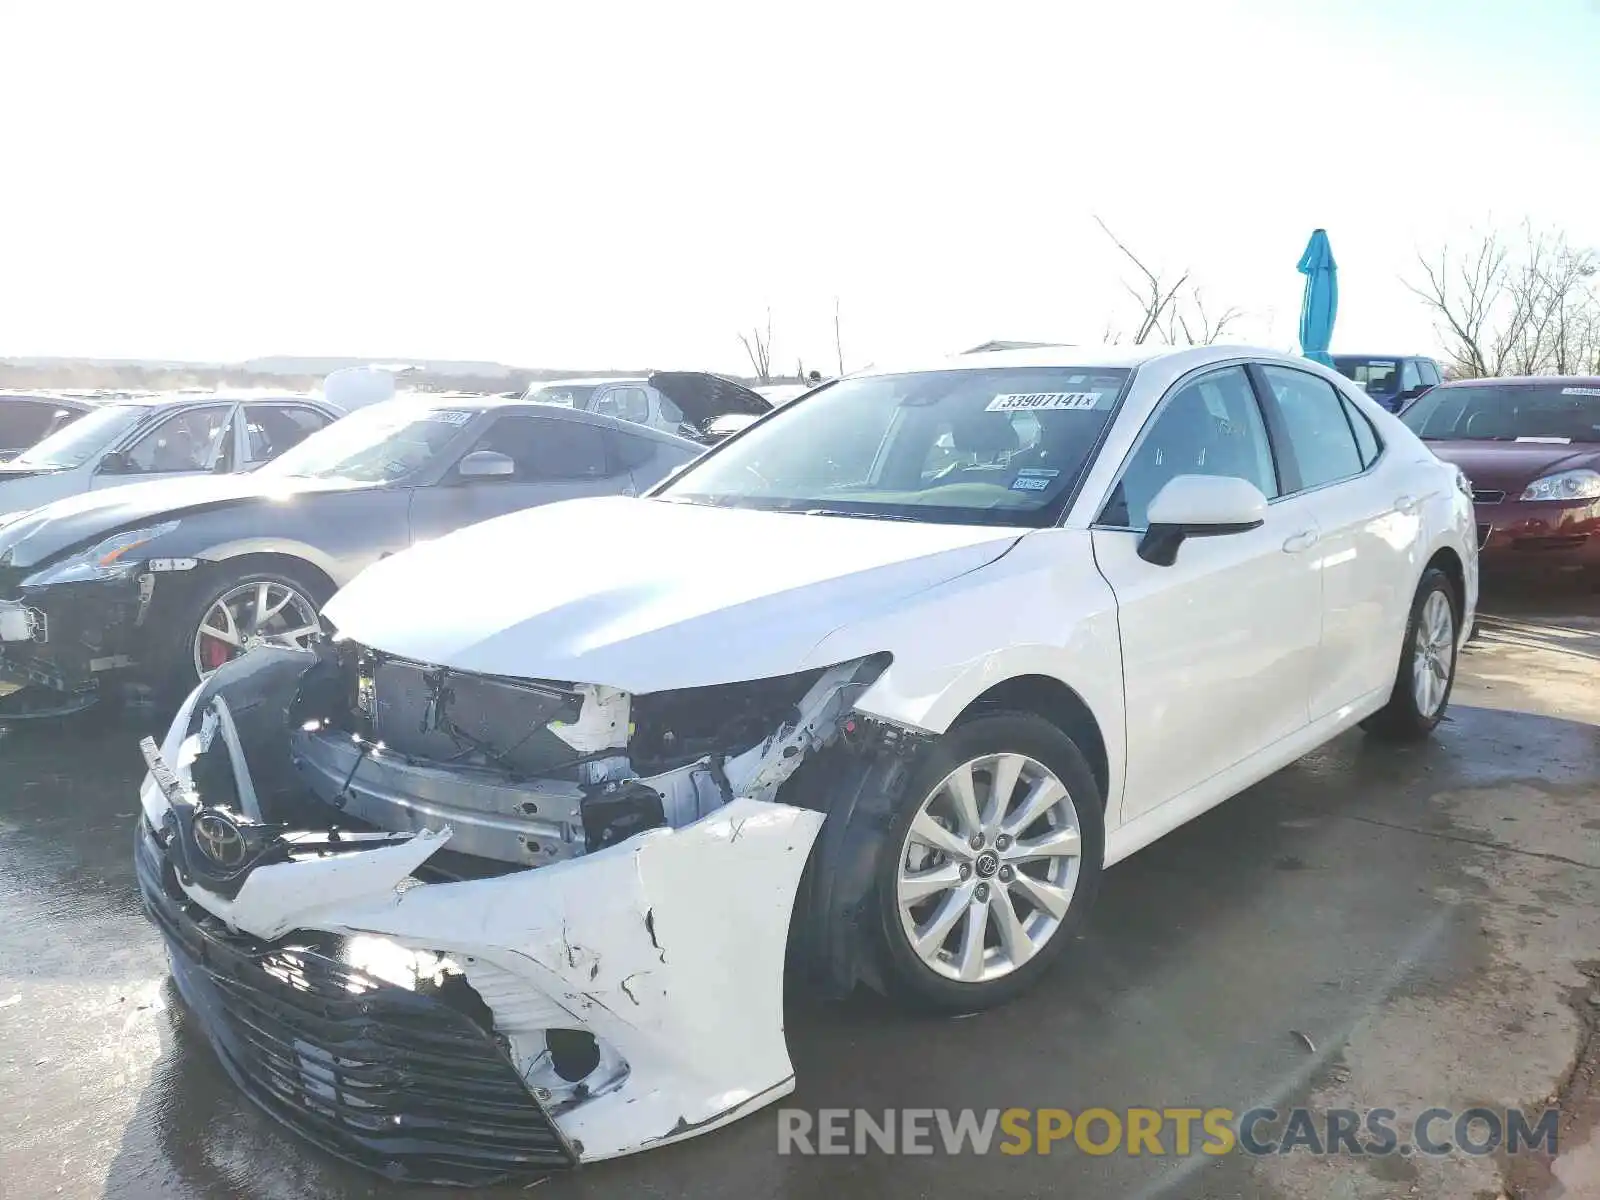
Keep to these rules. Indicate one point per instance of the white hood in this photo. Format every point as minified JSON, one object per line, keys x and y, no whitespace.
{"x":646,"y":595}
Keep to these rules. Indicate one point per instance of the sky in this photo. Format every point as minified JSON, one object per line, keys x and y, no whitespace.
{"x":629,"y":185}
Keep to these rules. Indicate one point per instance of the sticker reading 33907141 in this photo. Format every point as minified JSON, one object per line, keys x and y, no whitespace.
{"x":1043,"y":401}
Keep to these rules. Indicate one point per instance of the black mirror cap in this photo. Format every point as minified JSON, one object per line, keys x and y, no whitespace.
{"x":115,"y":463}
{"x":1159,"y":544}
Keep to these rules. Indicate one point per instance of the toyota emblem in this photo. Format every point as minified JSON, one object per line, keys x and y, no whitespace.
{"x":219,"y":839}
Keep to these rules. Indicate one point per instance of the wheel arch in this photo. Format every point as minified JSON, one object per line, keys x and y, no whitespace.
{"x":1447,"y":560}
{"x":1054,"y":701}
{"x":262,"y":554}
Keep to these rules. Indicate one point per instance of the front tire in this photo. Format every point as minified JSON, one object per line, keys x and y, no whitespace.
{"x":1427,"y":668}
{"x":274,"y":607}
{"x":989,"y":866}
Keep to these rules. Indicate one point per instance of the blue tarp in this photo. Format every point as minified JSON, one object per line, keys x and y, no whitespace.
{"x":1321,"y":304}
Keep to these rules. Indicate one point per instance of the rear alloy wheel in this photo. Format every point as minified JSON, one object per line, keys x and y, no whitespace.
{"x":1427,"y":668}
{"x":995,"y":856}
{"x":261,"y":611}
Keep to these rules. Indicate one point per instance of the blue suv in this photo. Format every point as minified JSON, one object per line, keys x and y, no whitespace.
{"x":1393,"y":380}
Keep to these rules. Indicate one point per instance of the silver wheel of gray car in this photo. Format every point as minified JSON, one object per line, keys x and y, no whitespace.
{"x":258,"y":612}
{"x":988,"y":867}
{"x":1433,"y":659}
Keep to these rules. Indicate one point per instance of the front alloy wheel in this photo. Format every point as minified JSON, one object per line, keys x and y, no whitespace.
{"x":988,"y":867}
{"x":261,"y":612}
{"x":991,"y":861}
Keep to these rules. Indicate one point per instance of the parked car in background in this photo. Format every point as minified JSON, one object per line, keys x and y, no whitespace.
{"x":29,"y":417}
{"x":1531,"y":449}
{"x":1393,"y":380}
{"x":169,"y":580}
{"x":138,"y":439}
{"x":685,"y":403}
{"x":825,"y":691}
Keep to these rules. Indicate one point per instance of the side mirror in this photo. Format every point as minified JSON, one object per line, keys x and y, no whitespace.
{"x":115,"y":463}
{"x":222,"y":466}
{"x":486,"y":464}
{"x":1199,"y":506}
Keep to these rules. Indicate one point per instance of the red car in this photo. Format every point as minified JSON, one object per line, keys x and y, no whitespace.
{"x":1531,"y":449}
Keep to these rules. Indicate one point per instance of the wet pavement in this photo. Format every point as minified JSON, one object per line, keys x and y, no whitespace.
{"x":1372,"y":926}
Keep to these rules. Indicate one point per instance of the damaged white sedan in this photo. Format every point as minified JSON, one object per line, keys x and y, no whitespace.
{"x":506,"y":875}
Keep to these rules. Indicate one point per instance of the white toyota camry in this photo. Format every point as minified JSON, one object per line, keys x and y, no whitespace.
{"x":889,"y":678}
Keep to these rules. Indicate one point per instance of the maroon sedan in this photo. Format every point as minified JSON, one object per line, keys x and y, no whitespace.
{"x":1531,"y":449}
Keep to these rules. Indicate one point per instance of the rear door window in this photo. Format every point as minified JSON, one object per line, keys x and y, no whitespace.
{"x":1320,"y":437}
{"x":270,"y":429}
{"x":624,"y":403}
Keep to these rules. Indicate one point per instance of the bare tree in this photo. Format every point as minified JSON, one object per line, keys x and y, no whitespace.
{"x":1153,"y":296}
{"x":1527,"y":308}
{"x":1176,"y":314}
{"x":1188,"y":322}
{"x":758,"y":347}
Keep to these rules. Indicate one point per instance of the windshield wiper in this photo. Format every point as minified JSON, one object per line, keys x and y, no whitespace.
{"x":839,"y":512}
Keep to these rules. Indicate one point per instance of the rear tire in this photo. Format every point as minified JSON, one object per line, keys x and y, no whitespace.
{"x":1023,"y":867}
{"x":1426,"y":673}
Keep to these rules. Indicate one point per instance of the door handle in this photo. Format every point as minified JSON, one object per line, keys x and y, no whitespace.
{"x":1303,"y":540}
{"x":1405,"y":504}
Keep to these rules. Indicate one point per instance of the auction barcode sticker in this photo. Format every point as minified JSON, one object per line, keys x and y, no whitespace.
{"x":1043,"y":401}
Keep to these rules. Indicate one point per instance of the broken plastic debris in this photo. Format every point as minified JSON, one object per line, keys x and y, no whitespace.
{"x":1306,"y":1038}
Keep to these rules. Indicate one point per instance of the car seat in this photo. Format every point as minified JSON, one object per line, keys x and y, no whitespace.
{"x":987,"y":436}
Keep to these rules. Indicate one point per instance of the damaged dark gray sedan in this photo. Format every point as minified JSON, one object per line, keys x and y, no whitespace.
{"x":163,"y":582}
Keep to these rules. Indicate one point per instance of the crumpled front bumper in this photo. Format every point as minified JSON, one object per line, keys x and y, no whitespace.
{"x":63,"y":639}
{"x":392,"y":1080}
{"x":667,"y":948}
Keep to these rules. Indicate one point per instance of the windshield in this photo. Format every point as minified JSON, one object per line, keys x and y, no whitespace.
{"x":1380,"y":376}
{"x":380,"y":444}
{"x":998,"y":446}
{"x":1485,"y":413}
{"x":90,"y":435}
{"x":568,"y":395}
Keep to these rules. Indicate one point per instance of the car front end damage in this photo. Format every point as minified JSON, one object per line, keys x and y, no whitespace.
{"x":455,"y":928}
{"x":67,"y":627}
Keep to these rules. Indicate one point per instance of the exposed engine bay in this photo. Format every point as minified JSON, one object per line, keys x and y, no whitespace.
{"x":366,"y":814}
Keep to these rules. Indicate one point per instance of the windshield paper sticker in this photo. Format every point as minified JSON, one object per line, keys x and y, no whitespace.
{"x":1033,"y":479}
{"x":1043,"y":401}
{"x":1579,"y":391}
{"x":450,"y":416}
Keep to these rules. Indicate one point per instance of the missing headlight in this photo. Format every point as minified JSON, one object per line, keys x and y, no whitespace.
{"x":677,"y":727}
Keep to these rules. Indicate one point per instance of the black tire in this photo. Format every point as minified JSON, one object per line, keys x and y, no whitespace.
{"x":1402,"y":719}
{"x":904,"y":975}
{"x":180,"y":674}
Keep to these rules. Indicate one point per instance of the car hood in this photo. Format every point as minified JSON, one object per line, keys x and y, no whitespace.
{"x":1511,"y":466}
{"x":12,"y":470}
{"x":647,"y":595}
{"x":65,"y":524}
{"x":702,"y":396}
